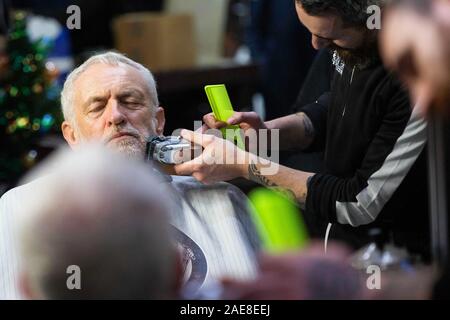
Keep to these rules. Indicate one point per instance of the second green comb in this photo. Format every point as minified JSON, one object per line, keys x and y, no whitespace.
{"x":278,"y":221}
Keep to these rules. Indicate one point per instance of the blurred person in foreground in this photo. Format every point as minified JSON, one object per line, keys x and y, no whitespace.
{"x":313,"y":275}
{"x":117,"y":235}
{"x":111,"y":99}
{"x":415,"y":42}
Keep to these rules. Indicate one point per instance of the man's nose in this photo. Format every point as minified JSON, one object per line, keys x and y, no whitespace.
{"x":319,"y":43}
{"x":115,"y":113}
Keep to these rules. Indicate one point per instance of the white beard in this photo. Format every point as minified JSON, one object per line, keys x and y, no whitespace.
{"x":130,"y":147}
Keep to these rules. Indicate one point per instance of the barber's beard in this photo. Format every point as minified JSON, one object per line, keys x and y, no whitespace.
{"x":363,"y":56}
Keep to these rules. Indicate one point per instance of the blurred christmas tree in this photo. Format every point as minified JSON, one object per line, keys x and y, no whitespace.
{"x":29,"y":102}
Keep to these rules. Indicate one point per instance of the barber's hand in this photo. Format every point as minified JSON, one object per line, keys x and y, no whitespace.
{"x":309,"y":274}
{"x":245,"y":120}
{"x":220,"y":160}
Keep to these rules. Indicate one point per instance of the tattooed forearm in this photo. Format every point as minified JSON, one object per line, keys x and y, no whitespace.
{"x":289,"y":182}
{"x":287,"y":193}
{"x":296,"y":131}
{"x":308,"y":127}
{"x":255,"y":175}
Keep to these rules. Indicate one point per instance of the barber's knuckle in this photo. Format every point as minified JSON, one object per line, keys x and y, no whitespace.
{"x":207,"y":117}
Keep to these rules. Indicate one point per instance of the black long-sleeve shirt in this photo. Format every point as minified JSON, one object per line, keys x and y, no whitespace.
{"x":375,"y":168}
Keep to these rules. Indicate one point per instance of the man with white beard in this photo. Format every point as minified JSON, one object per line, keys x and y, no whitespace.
{"x":112,"y":99}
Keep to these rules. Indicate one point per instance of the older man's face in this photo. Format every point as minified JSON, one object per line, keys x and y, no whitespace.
{"x":113,"y":105}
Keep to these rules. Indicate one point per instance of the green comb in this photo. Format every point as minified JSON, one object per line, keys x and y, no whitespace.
{"x":223,"y":110}
{"x":278,"y":221}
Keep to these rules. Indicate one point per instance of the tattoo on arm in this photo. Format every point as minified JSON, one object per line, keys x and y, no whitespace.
{"x":287,"y":193}
{"x":308,"y":126}
{"x":255,"y":175}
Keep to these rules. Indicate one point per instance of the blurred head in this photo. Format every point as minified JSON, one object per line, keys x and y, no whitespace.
{"x":104,"y":214}
{"x":113,"y":100}
{"x":340,"y":26}
{"x":415,"y":43}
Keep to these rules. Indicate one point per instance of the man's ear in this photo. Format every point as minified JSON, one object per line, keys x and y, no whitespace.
{"x":69,"y":134}
{"x":160,"y":121}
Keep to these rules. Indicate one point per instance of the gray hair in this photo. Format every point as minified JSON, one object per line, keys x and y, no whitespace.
{"x":105,"y":214}
{"x":352,"y":12}
{"x":109,"y":58}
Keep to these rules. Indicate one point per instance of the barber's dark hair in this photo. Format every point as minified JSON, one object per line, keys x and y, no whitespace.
{"x":352,"y":12}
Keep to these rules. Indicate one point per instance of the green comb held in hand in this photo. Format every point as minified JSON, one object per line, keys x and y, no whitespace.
{"x":278,"y":222}
{"x":223,"y":110}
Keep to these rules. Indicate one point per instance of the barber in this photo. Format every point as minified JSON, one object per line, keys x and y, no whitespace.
{"x":375,"y":169}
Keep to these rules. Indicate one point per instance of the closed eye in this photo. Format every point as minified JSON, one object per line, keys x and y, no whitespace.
{"x":132,"y":103}
{"x":132,"y":98}
{"x":96,"y":108}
